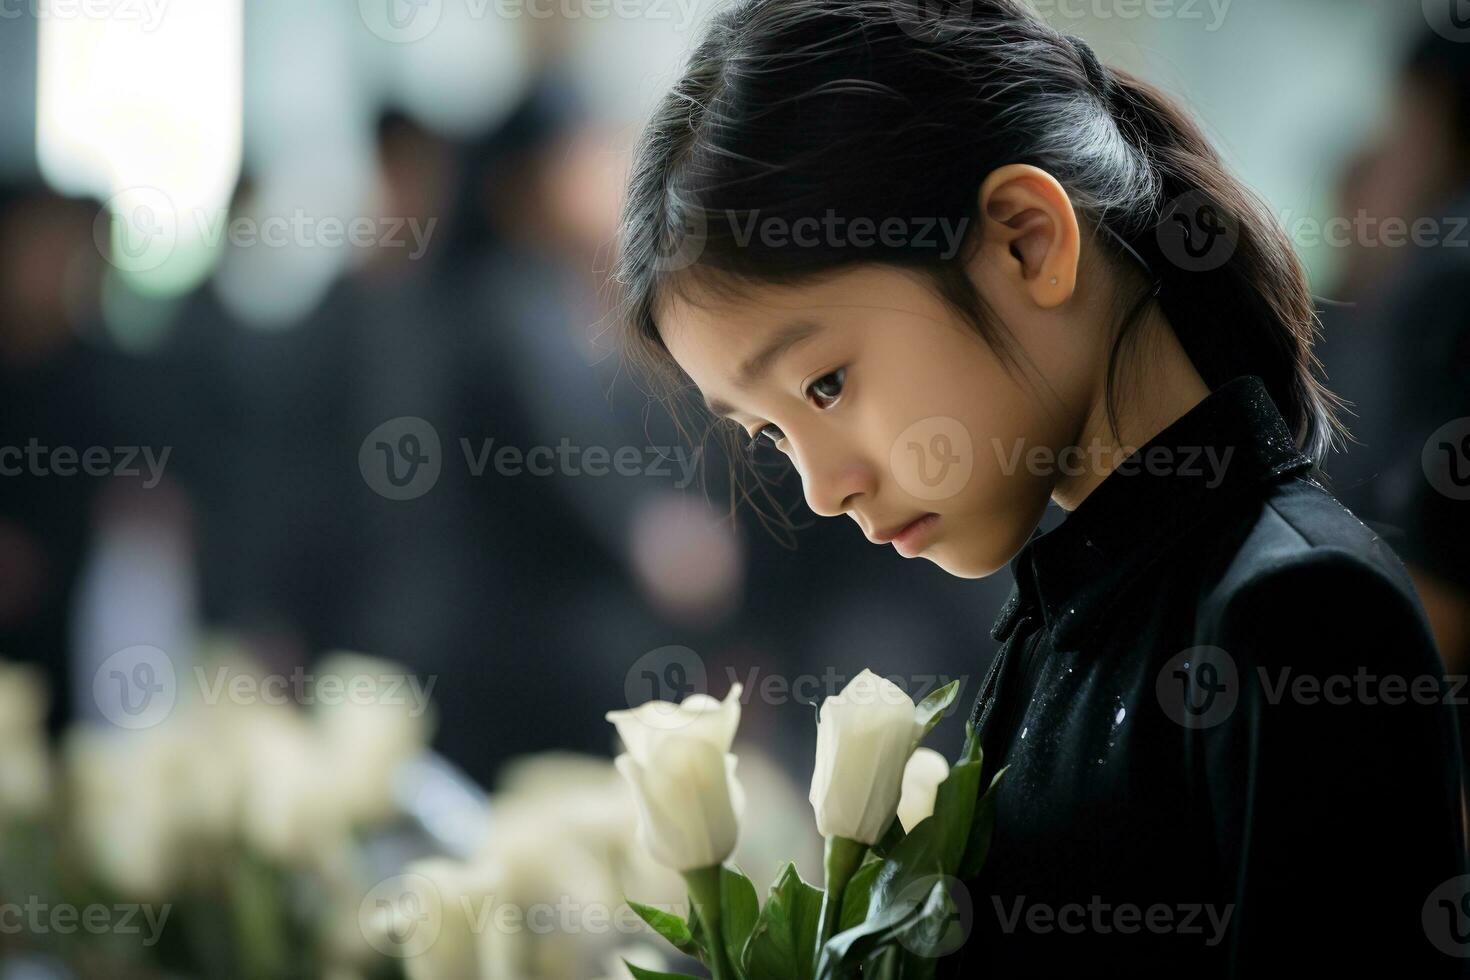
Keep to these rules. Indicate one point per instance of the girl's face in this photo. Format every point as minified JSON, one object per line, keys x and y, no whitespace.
{"x":892,"y":407}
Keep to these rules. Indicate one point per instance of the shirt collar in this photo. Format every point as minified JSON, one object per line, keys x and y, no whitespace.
{"x":1235,"y":438}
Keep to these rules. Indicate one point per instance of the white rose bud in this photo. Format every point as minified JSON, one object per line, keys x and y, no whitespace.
{"x":679,"y":765}
{"x":921,"y":778}
{"x":865,"y":736}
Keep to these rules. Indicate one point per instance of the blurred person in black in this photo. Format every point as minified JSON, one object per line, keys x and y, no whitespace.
{"x":1398,"y":349}
{"x":61,"y":389}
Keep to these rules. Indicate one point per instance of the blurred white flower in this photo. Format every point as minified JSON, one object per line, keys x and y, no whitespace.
{"x":25,"y":763}
{"x":459,"y":917}
{"x":784,"y":830}
{"x":640,"y":955}
{"x":373,"y":717}
{"x":289,"y":808}
{"x":926,"y":769}
{"x":123,"y":807}
{"x":580,"y":801}
{"x":865,"y":736}
{"x":23,"y":699}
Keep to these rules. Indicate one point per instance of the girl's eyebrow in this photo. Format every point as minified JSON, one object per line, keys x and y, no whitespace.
{"x":757,"y":364}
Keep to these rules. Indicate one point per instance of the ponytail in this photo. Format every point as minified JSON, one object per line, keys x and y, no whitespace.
{"x":1229,"y":280}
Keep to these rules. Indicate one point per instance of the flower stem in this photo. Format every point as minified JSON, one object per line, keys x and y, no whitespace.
{"x":839,"y":862}
{"x":704,"y":893}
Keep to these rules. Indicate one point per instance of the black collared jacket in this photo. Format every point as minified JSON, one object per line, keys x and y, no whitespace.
{"x":1229,"y":740}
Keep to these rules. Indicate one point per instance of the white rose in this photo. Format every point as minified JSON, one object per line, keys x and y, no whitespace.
{"x":679,"y":765}
{"x":865,"y":736}
{"x":120,"y":785}
{"x":921,"y":778}
{"x":289,"y":810}
{"x":373,"y":717}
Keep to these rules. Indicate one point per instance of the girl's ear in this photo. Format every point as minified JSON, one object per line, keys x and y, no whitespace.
{"x":1029,"y":233}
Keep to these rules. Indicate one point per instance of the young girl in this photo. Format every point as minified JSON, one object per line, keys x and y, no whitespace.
{"x":952,"y":267}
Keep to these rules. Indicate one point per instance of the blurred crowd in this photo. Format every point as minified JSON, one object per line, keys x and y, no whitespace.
{"x":527,"y":597}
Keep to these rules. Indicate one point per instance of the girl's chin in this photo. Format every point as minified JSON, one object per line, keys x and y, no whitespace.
{"x":977,"y":555}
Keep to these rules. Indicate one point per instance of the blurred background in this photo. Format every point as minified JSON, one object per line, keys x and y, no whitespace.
{"x":304,"y":349}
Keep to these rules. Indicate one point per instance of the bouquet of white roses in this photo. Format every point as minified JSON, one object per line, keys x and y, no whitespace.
{"x":900,"y":824}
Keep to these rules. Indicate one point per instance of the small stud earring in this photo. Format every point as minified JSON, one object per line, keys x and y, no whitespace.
{"x":1053,"y":280}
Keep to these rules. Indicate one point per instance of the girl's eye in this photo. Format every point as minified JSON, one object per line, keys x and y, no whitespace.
{"x":828,"y":387}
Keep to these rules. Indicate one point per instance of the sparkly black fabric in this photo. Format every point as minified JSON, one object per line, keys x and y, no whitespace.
{"x":1177,"y":802}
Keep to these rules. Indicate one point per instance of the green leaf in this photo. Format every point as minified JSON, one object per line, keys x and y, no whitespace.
{"x":982,"y":826}
{"x":739,"y":909}
{"x":855,"y":898}
{"x":696,"y":930}
{"x":928,"y":711}
{"x":890,"y":907}
{"x":639,"y":973}
{"x":780,"y":945}
{"x":668,"y":925}
{"x":954,"y":808}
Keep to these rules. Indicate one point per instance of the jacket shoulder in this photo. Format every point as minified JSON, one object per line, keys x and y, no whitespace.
{"x":1301,"y":557}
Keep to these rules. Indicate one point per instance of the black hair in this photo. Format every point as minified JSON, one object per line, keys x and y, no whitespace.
{"x":795,"y":109}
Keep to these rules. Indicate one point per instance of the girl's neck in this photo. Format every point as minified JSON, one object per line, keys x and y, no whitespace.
{"x":1156,"y":384}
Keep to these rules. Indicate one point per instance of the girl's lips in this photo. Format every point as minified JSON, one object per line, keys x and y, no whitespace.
{"x":911,"y":540}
